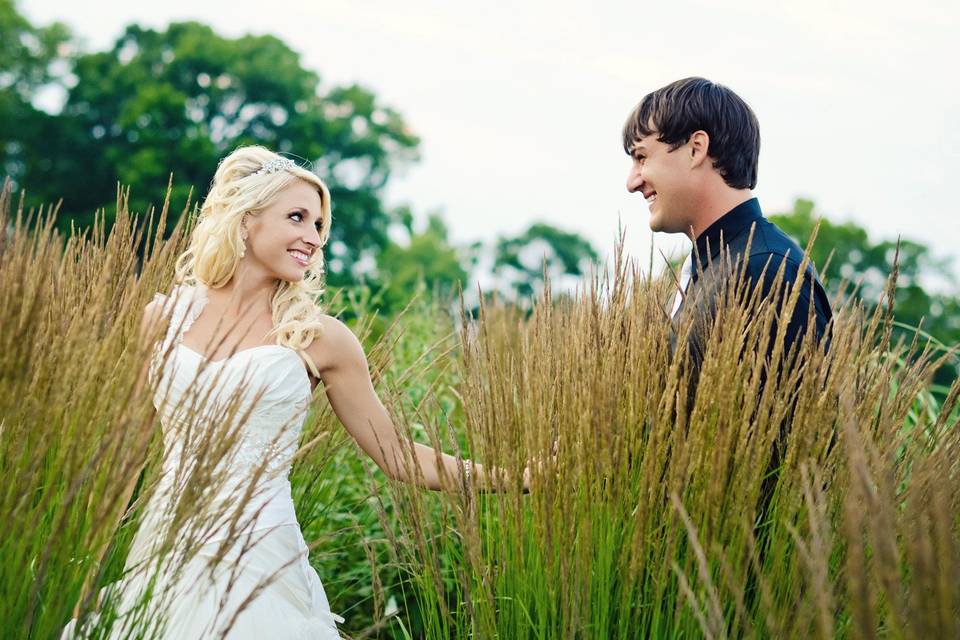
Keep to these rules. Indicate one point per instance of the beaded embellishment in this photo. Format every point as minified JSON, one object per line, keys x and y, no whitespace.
{"x":275,"y":165}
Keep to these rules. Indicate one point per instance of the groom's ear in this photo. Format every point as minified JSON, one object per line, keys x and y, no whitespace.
{"x":698,"y":146}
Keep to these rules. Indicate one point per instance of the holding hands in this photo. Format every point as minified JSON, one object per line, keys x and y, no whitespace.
{"x":541,"y":465}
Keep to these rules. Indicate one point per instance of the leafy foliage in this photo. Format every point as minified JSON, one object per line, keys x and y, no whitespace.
{"x":855,"y":258}
{"x":28,"y":57}
{"x":520,"y":262}
{"x":427,"y":264}
{"x":177,"y":100}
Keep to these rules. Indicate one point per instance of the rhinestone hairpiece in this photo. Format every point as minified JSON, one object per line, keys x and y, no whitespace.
{"x":275,"y":165}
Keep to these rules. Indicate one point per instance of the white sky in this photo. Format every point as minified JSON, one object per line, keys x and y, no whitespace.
{"x":520,"y":104}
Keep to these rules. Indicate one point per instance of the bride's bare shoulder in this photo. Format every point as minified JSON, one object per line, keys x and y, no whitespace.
{"x":335,"y":345}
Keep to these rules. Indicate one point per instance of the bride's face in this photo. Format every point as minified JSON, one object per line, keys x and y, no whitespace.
{"x":283,"y":238}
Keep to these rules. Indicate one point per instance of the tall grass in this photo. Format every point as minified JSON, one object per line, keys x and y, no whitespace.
{"x":824,"y":503}
{"x":821,"y":500}
{"x":76,"y":428}
{"x":80,"y":447}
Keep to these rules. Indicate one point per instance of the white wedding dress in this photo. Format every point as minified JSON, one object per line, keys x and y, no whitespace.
{"x":246,"y":574}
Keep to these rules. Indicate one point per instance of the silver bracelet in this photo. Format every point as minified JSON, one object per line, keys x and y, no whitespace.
{"x":467,"y":470}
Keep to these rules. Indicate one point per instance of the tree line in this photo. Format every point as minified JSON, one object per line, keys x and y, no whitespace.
{"x":176,"y":100}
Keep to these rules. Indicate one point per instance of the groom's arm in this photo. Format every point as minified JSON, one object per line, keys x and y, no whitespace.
{"x":812,"y":302}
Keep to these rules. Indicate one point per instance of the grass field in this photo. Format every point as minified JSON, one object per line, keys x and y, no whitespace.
{"x":824,"y":503}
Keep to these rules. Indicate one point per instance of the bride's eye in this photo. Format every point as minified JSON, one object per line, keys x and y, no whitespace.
{"x":298,"y":215}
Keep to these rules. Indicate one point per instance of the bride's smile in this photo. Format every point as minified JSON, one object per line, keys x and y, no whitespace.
{"x":283,"y":239}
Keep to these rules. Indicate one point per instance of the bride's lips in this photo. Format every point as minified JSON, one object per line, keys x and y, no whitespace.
{"x":301,"y":258}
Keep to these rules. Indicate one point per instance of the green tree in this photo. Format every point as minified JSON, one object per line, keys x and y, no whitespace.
{"x":519,"y":262}
{"x":428,"y":263}
{"x":855,"y":258}
{"x":177,"y":100}
{"x":30,"y":58}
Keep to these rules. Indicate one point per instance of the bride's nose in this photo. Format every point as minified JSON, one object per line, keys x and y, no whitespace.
{"x":313,"y":237}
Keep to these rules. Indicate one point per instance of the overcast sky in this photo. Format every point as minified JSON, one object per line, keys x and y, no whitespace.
{"x":520,"y":104}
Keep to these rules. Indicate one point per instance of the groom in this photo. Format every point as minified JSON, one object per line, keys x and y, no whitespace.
{"x":694,"y":147}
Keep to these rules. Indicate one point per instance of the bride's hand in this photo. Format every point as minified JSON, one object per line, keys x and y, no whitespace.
{"x":539,"y":463}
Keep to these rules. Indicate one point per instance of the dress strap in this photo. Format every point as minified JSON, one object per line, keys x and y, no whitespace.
{"x":193,"y":300}
{"x":183,"y":306}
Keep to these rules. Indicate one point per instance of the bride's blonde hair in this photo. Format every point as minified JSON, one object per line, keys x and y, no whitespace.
{"x":242,"y":186}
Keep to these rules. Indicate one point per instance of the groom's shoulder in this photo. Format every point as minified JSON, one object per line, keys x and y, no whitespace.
{"x":769,"y":239}
{"x":770,"y":247}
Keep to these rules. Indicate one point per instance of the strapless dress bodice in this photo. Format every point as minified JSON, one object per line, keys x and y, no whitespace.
{"x":257,"y":398}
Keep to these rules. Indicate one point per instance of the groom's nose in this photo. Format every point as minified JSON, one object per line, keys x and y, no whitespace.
{"x":634,"y":180}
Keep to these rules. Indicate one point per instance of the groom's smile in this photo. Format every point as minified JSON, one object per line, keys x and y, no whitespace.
{"x":658,"y":172}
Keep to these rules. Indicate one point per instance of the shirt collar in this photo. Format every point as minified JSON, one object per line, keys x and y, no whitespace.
{"x":731,"y":224}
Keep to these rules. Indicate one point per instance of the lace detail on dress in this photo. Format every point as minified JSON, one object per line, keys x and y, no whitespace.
{"x":180,"y":308}
{"x":183,"y":306}
{"x":255,"y":448}
{"x":195,"y":301}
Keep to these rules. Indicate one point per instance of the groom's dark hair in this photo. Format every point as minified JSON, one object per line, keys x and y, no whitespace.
{"x":679,"y":109}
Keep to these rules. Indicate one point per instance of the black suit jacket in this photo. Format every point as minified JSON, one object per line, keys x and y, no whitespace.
{"x":718,"y":256}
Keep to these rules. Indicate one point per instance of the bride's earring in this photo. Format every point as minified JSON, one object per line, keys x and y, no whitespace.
{"x":243,"y":236}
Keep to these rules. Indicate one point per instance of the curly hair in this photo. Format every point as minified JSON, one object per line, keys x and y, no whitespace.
{"x":240,"y":188}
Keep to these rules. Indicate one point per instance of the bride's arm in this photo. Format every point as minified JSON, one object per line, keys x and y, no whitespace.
{"x":346,"y":379}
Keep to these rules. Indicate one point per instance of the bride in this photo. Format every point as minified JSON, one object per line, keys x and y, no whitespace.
{"x":244,"y":346}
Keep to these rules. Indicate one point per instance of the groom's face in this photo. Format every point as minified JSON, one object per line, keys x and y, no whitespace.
{"x":665,"y":180}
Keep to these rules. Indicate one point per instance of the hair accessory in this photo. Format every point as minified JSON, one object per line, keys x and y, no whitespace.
{"x":275,"y":165}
